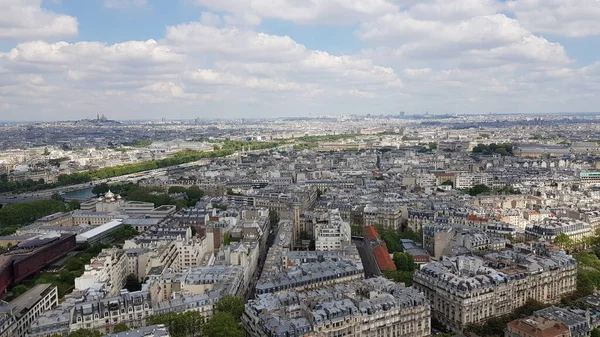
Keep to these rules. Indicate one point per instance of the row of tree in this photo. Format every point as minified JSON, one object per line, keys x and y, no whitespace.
{"x":20,"y":214}
{"x":156,"y":195}
{"x":179,"y":158}
{"x":392,"y":237}
{"x":503,"y":149}
{"x":495,"y":326}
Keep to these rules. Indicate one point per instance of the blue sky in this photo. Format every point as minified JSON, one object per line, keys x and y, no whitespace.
{"x":66,"y":59}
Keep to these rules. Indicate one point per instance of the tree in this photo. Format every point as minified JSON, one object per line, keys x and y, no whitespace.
{"x":27,"y":212}
{"x":19,"y":290}
{"x":100,"y":189}
{"x":85,"y":333}
{"x":195,"y":193}
{"x":57,"y":197}
{"x":74,"y":204}
{"x":132,"y":283}
{"x":447,"y":183}
{"x":121,"y":327}
{"x":563,"y":240}
{"x":478,"y":189}
{"x":273,"y":217}
{"x":233,"y":305}
{"x":180,"y":324}
{"x":181,"y":203}
{"x":595,"y":332}
{"x":400,"y":276}
{"x":223,"y":324}
{"x":177,"y":189}
{"x":404,"y":262}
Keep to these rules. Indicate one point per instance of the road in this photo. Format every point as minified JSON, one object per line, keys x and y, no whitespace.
{"x":367,"y":259}
{"x":8,"y":198}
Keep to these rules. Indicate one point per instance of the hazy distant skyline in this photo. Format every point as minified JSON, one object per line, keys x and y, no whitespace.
{"x":182,"y":59}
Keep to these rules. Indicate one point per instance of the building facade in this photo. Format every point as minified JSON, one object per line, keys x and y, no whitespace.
{"x":465,"y":289}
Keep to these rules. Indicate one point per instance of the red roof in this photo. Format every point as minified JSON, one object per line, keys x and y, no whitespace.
{"x":371,"y":232}
{"x":383,"y":258}
{"x":473,"y":217}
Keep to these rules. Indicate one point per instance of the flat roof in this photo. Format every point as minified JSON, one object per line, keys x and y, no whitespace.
{"x":101,"y":229}
{"x":29,"y":298}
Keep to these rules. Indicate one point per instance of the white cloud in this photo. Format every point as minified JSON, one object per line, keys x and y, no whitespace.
{"x":25,"y":19}
{"x":428,"y":55}
{"x":442,"y":30}
{"x":573,"y":18}
{"x":303,"y":12}
{"x":125,"y":4}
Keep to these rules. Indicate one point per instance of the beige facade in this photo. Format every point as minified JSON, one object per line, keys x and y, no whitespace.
{"x":480,"y":292}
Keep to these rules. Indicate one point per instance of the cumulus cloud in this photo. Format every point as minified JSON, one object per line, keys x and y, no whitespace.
{"x":303,"y":12}
{"x":573,"y":18}
{"x":25,"y":19}
{"x":427,"y":55}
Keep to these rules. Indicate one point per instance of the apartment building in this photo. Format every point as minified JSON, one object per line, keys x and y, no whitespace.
{"x":467,"y":289}
{"x":333,"y":234}
{"x":468,"y":180}
{"x":549,"y":228}
{"x":312,"y":276}
{"x":130,"y":308}
{"x":109,"y":267}
{"x":374,"y":307}
{"x":386,"y":216}
{"x":17,"y":316}
{"x":536,"y":327}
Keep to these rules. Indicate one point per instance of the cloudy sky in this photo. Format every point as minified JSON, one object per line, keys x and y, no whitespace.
{"x":140,"y":59}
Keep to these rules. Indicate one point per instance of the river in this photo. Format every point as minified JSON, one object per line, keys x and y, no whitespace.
{"x":82,"y":194}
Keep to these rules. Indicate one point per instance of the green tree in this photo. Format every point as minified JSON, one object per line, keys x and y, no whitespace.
{"x":273,"y":217}
{"x":223,"y":324}
{"x":100,"y":189}
{"x":595,"y":332}
{"x":74,"y":204}
{"x":121,"y":327}
{"x":233,"y":305}
{"x":57,"y":197}
{"x":400,"y":276}
{"x":19,"y":290}
{"x":194,"y":192}
{"x":563,"y":240}
{"x":448,"y":182}
{"x":132,"y":283}
{"x":85,"y":333}
{"x":177,"y":189}
{"x":356,"y":230}
{"x":189,"y":323}
{"x":404,"y":262}
{"x":27,"y":212}
{"x":181,"y":203}
{"x":124,"y":233}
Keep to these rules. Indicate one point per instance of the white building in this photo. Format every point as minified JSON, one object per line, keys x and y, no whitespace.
{"x":468,"y":180}
{"x":109,"y":267}
{"x":16,"y":316}
{"x":333,"y":234}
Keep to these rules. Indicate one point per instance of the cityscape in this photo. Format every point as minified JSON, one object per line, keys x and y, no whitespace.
{"x":380,"y":225}
{"x":299,"y":168}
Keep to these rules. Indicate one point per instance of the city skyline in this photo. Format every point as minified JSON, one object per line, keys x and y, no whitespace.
{"x":148,"y":59}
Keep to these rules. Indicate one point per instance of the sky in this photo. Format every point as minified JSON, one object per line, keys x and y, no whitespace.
{"x":183,"y":59}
